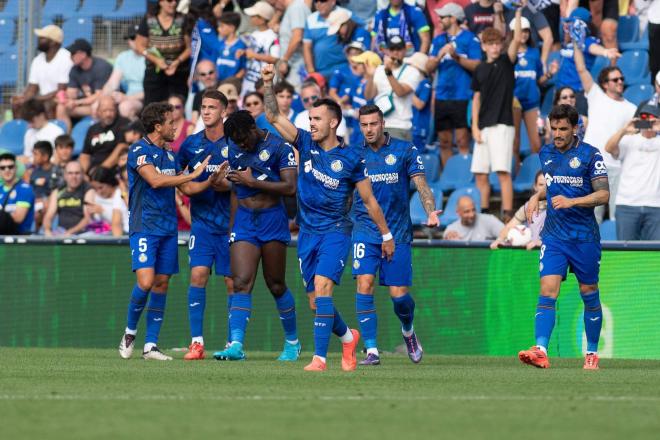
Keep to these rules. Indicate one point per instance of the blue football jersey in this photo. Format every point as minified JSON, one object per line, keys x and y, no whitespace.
{"x":228,"y":63}
{"x":209,"y":209}
{"x":529,"y":69}
{"x":390,"y":170}
{"x":271,"y":156}
{"x":151,"y":211}
{"x":570,"y":174}
{"x":325,"y":185}
{"x":453,"y":81}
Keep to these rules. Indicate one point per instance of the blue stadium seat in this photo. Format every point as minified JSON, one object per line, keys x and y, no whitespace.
{"x":638,"y":93}
{"x":61,"y":8}
{"x":417,"y":212}
{"x":77,"y":27}
{"x":127,"y":9}
{"x":8,"y":68}
{"x":60,"y":124}
{"x":599,"y":64}
{"x":546,"y":105}
{"x":449,"y":215}
{"x":93,"y":8}
{"x":608,"y":230}
{"x":12,"y":134}
{"x":641,"y":44}
{"x":7,"y":29}
{"x":11,"y":7}
{"x":628,"y":29}
{"x":79,"y":132}
{"x":525,"y":145}
{"x":524,"y":181}
{"x":456,"y":173}
{"x":634,"y":65}
{"x":431,"y":166}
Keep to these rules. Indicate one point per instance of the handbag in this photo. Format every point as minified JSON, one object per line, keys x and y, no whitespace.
{"x":385,"y":101}
{"x":7,"y":224}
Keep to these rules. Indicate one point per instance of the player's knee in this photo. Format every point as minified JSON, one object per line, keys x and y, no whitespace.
{"x":160,"y":285}
{"x":365,"y":286}
{"x":242,"y":284}
{"x":198,"y":279}
{"x":586,"y":289}
{"x":277,"y":288}
{"x":323,"y":286}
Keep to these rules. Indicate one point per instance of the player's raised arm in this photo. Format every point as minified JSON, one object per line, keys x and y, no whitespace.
{"x":286,"y":129}
{"x":157,"y":180}
{"x":428,"y":200}
{"x":376,"y":214}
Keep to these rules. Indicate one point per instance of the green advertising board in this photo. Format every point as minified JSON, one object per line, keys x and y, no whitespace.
{"x":469,"y":301}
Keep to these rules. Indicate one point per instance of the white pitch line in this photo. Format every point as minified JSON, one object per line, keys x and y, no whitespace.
{"x":441,"y":398}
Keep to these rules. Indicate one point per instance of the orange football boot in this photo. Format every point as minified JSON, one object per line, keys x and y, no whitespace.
{"x":535,"y":357}
{"x":316,"y":365}
{"x":348,"y":355}
{"x":591,"y":361}
{"x":195,"y":352}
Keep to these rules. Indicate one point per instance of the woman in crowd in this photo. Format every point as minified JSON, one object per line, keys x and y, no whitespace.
{"x":108,"y":210}
{"x":184,"y":127}
{"x":566,"y":95}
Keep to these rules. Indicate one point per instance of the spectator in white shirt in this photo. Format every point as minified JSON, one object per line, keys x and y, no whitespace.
{"x":638,"y":198}
{"x":41,"y":129}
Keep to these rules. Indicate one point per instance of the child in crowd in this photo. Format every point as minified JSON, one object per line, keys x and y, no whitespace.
{"x":263,"y":47}
{"x":40,"y":178}
{"x":231,"y":49}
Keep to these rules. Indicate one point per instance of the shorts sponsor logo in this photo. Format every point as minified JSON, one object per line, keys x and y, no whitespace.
{"x":390,"y":159}
{"x":264,"y":155}
{"x":574,"y":163}
{"x":142,"y":258}
{"x":336,"y":166}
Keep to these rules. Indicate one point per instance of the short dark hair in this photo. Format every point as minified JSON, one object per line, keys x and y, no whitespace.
{"x":555,"y":99}
{"x":255,"y":93}
{"x":370,"y":109}
{"x":564,"y":111}
{"x":33,"y":108}
{"x":64,"y":140}
{"x":283,"y":86}
{"x":44,"y":147}
{"x":154,"y":114}
{"x":332,"y":106}
{"x":605,"y":73}
{"x":217,"y":95}
{"x":230,"y":18}
{"x":8,"y":156}
{"x":105,"y":175}
{"x":238,"y":121}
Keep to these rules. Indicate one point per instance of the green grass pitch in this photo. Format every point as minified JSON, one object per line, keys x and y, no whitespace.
{"x":86,"y":393}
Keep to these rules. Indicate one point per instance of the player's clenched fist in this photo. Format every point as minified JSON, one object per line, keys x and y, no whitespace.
{"x":268,"y":73}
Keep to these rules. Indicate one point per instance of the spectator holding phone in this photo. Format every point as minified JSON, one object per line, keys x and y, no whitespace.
{"x":637,"y":146}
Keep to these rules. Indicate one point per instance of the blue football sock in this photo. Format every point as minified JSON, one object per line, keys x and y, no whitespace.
{"x":241,"y":309}
{"x":593,"y":319}
{"x":404,"y":307}
{"x":286,"y":306}
{"x":135,"y":307}
{"x":367,"y":318}
{"x":196,"y":305}
{"x":229,"y":298}
{"x":155,"y":313}
{"x":544,"y":320}
{"x":323,"y":324}
{"x":339,"y":327}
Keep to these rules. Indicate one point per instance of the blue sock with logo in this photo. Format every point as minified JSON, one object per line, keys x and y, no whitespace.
{"x":135,"y":307}
{"x":286,"y":306}
{"x":544,"y":320}
{"x":339,"y":327}
{"x":367,"y":318}
{"x":196,"y":306}
{"x":323,"y":324}
{"x":229,"y":298}
{"x":593,"y":320}
{"x":404,"y":308}
{"x":155,"y":313}
{"x":241,"y":309}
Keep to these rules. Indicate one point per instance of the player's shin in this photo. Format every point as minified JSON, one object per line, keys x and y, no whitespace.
{"x":593,"y":320}
{"x":323,"y":325}
{"x":367,"y":320}
{"x":286,"y":306}
{"x":155,"y":314}
{"x":404,"y":308}
{"x":340,"y":328}
{"x":135,"y":308}
{"x":196,"y":306}
{"x":544,"y":321}
{"x":230,"y":296}
{"x":241,"y":309}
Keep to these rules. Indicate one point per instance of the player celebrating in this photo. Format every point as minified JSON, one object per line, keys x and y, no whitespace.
{"x":392,"y":163}
{"x":263,"y":170}
{"x":209,"y":209}
{"x":330,"y":172}
{"x":576,"y":182}
{"x":152,"y":176}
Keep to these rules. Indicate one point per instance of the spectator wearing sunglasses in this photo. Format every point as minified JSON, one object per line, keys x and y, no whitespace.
{"x":183,"y":127}
{"x":206,"y":71}
{"x":608,"y":112}
{"x":16,"y":199}
{"x":310,"y":93}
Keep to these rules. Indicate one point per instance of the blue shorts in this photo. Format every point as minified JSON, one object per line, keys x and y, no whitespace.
{"x":206,"y":248}
{"x":259,"y":226}
{"x":322,"y":254}
{"x":528,"y":104}
{"x":583,"y":259}
{"x":368,"y":260}
{"x":159,"y":252}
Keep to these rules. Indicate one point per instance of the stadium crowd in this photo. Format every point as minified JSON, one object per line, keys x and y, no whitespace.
{"x":448,"y":75}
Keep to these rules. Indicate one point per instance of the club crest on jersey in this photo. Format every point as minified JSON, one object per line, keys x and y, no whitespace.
{"x":356,"y":264}
{"x":390,"y":159}
{"x":336,"y":166}
{"x":264,"y":155}
{"x":574,"y":163}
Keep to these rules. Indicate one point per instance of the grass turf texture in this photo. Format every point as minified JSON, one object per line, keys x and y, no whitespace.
{"x":86,"y":393}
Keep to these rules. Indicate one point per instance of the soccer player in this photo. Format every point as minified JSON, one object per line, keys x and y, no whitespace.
{"x":392,"y":164}
{"x":263,"y":170}
{"x":576,"y":182}
{"x":209,"y":209}
{"x":153,"y":173}
{"x":330,"y":173}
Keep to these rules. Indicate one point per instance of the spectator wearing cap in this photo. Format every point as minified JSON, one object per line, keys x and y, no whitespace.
{"x":405,"y":21}
{"x":105,"y":139}
{"x":16,"y":199}
{"x":310,"y":92}
{"x":322,"y":52}
{"x":540,"y":33}
{"x":638,"y":195}
{"x":455,"y":53}
{"x":40,"y":128}
{"x":86,"y":80}
{"x":230,"y":60}
{"x":421,"y":101}
{"x":163,"y":42}
{"x":391,"y":86}
{"x":291,"y":31}
{"x":49,"y":71}
{"x":608,"y":112}
{"x":492,"y":115}
{"x":263,"y":44}
{"x":347,"y":30}
{"x":344,"y":79}
{"x":126,"y":82}
{"x":483,"y":14}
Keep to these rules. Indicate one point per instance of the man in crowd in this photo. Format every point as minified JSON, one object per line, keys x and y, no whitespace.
{"x":70,"y":204}
{"x":309,"y":94}
{"x":484,"y":14}
{"x":105,"y":139}
{"x":322,"y":52}
{"x":206,"y":72}
{"x":292,"y":27}
{"x":16,"y":199}
{"x":472,"y":225}
{"x":405,"y":21}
